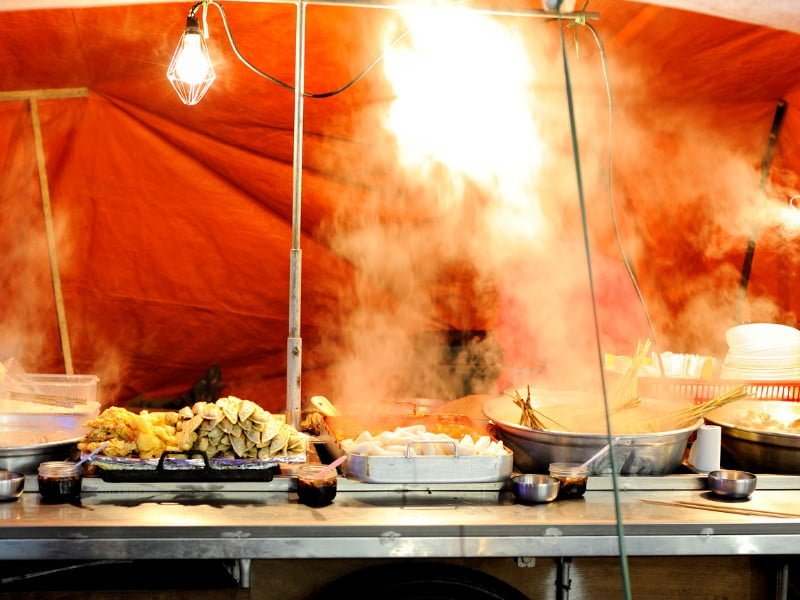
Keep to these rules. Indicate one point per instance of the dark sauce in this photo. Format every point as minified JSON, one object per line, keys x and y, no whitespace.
{"x":60,"y":489}
{"x":572,"y":487}
{"x":316,"y":493}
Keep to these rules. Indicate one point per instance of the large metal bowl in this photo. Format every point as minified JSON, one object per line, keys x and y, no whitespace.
{"x":756,"y":450}
{"x":657,"y":453}
{"x":28,"y":439}
{"x":26,"y":459}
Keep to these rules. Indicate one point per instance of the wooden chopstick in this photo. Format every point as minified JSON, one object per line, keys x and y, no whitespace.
{"x":727,"y":509}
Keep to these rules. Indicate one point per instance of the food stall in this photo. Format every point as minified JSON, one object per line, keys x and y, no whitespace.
{"x":444,"y":514}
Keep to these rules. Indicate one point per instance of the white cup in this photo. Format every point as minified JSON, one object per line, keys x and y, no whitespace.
{"x":705,"y":452}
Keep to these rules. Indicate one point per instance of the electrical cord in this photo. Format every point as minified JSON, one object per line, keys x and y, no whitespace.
{"x":277,"y":81}
{"x":623,"y":555}
{"x":610,"y":191}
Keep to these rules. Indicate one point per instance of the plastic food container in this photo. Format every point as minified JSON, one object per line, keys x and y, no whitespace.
{"x":36,"y":426}
{"x":313,"y":490}
{"x":573,"y":478}
{"x":60,"y":481}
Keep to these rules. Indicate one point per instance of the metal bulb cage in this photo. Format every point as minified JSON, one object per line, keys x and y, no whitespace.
{"x":190,"y":72}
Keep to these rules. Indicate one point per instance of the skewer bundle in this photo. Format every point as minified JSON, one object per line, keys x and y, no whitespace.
{"x":624,"y":393}
{"x":688,"y":415}
{"x":530,"y":416}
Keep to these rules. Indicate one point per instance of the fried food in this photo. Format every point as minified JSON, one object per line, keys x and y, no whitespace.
{"x":236,"y":428}
{"x":146,"y":435}
{"x":229,"y":428}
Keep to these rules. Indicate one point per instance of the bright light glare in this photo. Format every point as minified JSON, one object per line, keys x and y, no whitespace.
{"x":191,"y":72}
{"x":789,"y":217}
{"x":463,"y":101}
{"x":192,"y":64}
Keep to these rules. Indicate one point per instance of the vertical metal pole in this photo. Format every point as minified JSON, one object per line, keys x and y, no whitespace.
{"x":294,"y":351}
{"x":563,"y":579}
{"x":766,"y":163}
{"x":55,"y":275}
{"x":782,"y":581}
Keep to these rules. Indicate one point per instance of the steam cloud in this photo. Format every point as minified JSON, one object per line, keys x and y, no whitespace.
{"x":514,"y":236}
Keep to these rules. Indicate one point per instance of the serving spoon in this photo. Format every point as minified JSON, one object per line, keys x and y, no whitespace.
{"x":599,"y":453}
{"x":324,"y":472}
{"x":93,"y":453}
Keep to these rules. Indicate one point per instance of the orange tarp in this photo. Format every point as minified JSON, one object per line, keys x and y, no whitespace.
{"x":173,"y":223}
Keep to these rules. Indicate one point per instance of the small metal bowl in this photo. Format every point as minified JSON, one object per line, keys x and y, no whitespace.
{"x":531,"y":488}
{"x":11,"y":485}
{"x":729,"y":483}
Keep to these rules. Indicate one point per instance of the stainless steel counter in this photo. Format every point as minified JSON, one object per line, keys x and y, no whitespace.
{"x":265,"y":520}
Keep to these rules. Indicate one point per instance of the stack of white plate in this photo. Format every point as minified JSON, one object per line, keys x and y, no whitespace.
{"x":762,"y":352}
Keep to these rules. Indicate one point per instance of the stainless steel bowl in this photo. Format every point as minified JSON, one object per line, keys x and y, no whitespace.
{"x":755,"y":450}
{"x":11,"y":485}
{"x":657,"y":453}
{"x":26,"y":459}
{"x":730,"y":483}
{"x":535,"y":488}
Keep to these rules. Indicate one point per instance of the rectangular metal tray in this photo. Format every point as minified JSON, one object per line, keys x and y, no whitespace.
{"x":429,"y":469}
{"x":188,"y":473}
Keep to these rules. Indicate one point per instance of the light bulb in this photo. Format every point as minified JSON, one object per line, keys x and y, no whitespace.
{"x":191,"y":72}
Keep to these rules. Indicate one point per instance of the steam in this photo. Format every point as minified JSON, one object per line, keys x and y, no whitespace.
{"x":502,"y":247}
{"x":483,"y":262}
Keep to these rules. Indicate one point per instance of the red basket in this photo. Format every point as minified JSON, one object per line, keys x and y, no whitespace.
{"x":701,"y":390}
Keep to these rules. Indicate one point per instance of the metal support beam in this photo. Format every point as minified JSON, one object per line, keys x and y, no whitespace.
{"x":294,"y":352}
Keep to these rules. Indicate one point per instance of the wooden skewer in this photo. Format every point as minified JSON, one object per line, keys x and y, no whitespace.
{"x":65,"y":401}
{"x":727,"y":509}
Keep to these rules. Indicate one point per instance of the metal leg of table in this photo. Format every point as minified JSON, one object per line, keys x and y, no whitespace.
{"x":563,"y":580}
{"x":240,"y":571}
{"x":782,"y":581}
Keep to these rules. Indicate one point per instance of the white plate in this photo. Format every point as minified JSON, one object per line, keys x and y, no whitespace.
{"x":763,"y":334}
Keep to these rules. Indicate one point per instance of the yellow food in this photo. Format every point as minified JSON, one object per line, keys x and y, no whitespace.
{"x":229,"y":428}
{"x":146,"y":435}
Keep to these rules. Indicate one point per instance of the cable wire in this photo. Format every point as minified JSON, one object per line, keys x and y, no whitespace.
{"x":610,"y":191}
{"x":279,"y":82}
{"x":626,"y":587}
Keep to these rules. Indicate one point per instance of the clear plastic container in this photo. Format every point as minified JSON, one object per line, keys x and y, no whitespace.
{"x":573,"y":478}
{"x":60,"y":481}
{"x":313,"y":490}
{"x":39,"y":409}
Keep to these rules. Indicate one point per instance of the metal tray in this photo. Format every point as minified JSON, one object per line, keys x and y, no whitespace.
{"x":429,"y":469}
{"x":186,"y":471}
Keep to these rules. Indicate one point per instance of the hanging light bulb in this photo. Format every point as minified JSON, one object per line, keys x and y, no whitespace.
{"x":191,"y":72}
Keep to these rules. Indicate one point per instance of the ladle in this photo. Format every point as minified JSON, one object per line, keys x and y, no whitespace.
{"x":324,"y":472}
{"x":599,"y":453}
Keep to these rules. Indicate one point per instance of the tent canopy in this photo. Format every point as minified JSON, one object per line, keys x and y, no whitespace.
{"x":172,"y":223}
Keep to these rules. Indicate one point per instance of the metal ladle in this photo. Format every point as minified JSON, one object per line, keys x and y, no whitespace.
{"x":599,"y":453}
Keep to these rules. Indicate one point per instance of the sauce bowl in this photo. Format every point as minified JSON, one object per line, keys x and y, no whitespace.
{"x":535,"y":489}
{"x":730,"y":483}
{"x":11,"y":485}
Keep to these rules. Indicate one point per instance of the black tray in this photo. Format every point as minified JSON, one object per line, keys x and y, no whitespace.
{"x":204,"y":474}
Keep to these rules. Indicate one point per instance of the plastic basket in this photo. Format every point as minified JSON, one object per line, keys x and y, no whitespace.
{"x":701,"y":390}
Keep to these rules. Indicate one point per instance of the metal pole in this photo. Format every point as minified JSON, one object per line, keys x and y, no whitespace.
{"x":782,"y":581}
{"x":766,"y":163}
{"x":294,"y":351}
